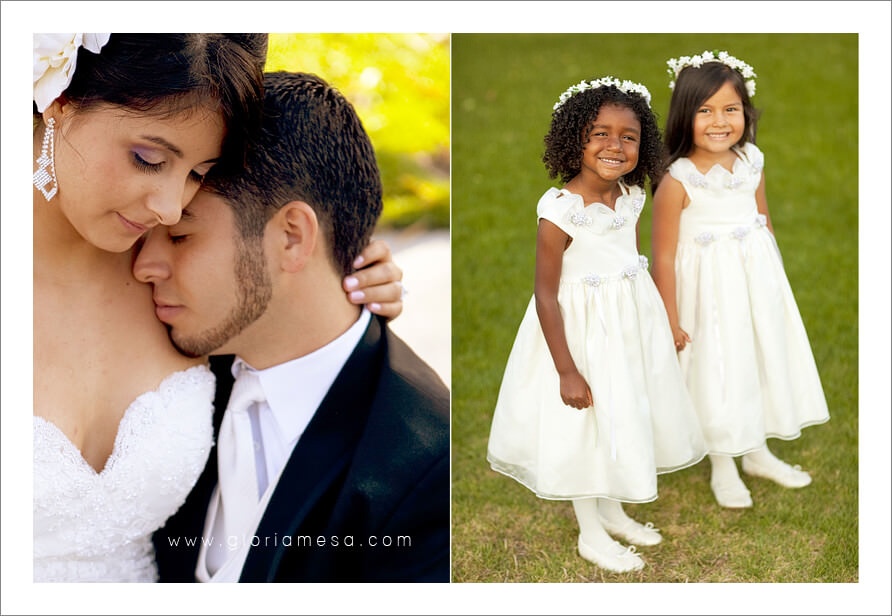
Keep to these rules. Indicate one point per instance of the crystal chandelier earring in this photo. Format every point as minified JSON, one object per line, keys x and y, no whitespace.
{"x":42,"y":177}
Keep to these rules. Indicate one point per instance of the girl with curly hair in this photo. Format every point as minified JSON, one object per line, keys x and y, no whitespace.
{"x":742,"y":346}
{"x":592,"y":405}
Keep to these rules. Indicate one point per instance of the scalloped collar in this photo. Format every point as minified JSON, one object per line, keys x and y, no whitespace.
{"x":742,"y":158}
{"x":627,"y":192}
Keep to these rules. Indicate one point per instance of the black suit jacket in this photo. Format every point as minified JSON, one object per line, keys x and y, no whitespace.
{"x":364,"y":496}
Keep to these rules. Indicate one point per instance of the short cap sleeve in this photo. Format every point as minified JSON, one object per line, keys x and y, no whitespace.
{"x":557,"y":207}
{"x":753,"y":156}
{"x":680,"y":169}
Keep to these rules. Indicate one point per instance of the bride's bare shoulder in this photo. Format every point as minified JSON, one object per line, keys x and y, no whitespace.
{"x":140,"y":353}
{"x":148,"y":341}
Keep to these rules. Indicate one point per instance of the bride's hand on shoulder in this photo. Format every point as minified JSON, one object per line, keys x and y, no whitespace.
{"x":376,"y":281}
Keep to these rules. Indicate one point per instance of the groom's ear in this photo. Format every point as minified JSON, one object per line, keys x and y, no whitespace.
{"x":295,"y":233}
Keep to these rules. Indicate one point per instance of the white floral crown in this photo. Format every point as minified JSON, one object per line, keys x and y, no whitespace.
{"x":55,"y":57}
{"x":676,"y":64}
{"x":624,"y":86}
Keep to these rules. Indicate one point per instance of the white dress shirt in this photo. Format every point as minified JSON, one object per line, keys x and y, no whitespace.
{"x":294,"y":390}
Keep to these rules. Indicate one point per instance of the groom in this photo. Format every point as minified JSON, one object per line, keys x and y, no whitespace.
{"x":331,"y":461}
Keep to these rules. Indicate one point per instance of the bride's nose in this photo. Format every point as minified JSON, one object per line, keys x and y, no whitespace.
{"x":167,"y":202}
{"x":152,"y":262}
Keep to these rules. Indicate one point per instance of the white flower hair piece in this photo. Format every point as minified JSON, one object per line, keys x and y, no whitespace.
{"x":55,"y":57}
{"x":676,"y":64}
{"x":629,"y":87}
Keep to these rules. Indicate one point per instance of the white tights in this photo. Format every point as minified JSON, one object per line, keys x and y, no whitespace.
{"x":724,"y":469}
{"x":589,"y":512}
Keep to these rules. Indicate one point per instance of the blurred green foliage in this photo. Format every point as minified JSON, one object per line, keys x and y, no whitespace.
{"x":399,"y":85}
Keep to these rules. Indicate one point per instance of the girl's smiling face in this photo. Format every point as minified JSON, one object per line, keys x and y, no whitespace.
{"x":121,"y":173}
{"x":611,"y":149}
{"x":719,"y":122}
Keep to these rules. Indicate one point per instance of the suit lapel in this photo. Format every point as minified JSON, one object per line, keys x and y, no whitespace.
{"x":221,"y":366}
{"x":200,"y":497}
{"x":320,"y":456}
{"x":177,"y":564}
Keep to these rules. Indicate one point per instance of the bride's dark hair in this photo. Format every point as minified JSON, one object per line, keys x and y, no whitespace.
{"x":166,"y":74}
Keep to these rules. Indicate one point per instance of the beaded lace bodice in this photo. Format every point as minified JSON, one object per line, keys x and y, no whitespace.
{"x":91,"y":526}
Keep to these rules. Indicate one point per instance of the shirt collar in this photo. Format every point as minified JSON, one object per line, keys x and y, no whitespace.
{"x":296,"y":388}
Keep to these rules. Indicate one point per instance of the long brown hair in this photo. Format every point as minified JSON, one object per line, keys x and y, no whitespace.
{"x":692,"y":88}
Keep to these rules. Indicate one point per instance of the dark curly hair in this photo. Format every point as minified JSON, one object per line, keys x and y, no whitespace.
{"x":572,"y":122}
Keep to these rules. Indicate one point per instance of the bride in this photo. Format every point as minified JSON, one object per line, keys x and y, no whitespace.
{"x":126,"y":127}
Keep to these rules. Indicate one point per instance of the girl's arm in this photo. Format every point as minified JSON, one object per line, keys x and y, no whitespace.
{"x":377,"y":284}
{"x":762,"y":202}
{"x":550,"y":245}
{"x":669,"y":200}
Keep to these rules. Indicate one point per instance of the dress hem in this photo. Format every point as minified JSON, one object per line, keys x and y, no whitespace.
{"x":555,"y":497}
{"x":783,"y":437}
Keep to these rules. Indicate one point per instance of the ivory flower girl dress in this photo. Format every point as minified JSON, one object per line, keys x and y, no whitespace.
{"x":750,"y":370}
{"x":618,"y":333}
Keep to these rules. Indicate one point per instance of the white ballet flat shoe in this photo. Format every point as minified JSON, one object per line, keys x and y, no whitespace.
{"x":617,"y":558}
{"x":634,"y":532}
{"x":732,"y":496}
{"x":780,"y":473}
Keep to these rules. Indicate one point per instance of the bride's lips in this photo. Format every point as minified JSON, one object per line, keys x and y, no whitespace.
{"x":166,"y":312}
{"x":131,"y":226}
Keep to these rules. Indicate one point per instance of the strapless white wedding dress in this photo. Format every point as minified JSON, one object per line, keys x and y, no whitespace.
{"x":97,"y":527}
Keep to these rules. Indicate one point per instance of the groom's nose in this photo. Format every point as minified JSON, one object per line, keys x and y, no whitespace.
{"x":152,"y":262}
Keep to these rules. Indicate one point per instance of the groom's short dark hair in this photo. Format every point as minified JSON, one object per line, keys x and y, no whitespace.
{"x":312,"y":148}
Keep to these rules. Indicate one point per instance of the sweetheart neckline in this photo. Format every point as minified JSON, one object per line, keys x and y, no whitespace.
{"x":119,"y":434}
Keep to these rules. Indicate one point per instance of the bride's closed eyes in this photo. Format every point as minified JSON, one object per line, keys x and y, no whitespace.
{"x":146,"y":166}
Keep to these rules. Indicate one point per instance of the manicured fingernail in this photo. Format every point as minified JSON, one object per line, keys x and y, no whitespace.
{"x":358,"y":261}
{"x":352,"y":282}
{"x":374,"y":307}
{"x":357,"y":296}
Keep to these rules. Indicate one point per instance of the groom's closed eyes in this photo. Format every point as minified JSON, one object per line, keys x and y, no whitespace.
{"x":180,"y":232}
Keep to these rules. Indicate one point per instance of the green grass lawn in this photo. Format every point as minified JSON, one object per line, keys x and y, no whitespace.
{"x":503,"y":89}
